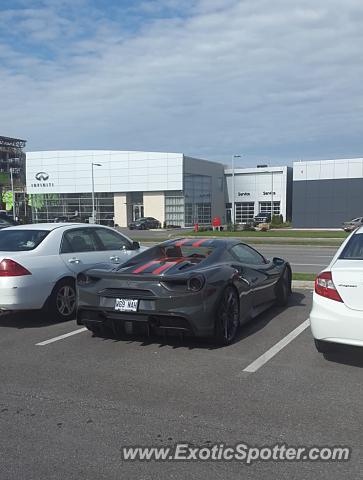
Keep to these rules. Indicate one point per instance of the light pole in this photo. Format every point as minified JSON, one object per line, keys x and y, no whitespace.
{"x":93,"y":192}
{"x":272,"y":194}
{"x":11,"y":171}
{"x":12,"y":191}
{"x":233,"y":191}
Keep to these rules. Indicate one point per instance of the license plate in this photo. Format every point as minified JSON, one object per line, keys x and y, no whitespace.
{"x":126,"y":305}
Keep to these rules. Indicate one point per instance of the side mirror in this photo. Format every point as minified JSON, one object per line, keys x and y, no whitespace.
{"x":239,"y":269}
{"x":278,"y":261}
{"x":135,"y":245}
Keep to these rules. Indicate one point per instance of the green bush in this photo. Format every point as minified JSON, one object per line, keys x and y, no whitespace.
{"x":231,"y":227}
{"x":277,"y":220}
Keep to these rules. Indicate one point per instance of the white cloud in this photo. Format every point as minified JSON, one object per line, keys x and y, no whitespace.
{"x":271,"y":81}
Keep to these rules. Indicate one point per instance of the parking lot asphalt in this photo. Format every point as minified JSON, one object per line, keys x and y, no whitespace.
{"x":68,"y":407}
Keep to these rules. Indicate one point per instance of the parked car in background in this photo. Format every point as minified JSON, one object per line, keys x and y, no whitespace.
{"x":70,"y":219}
{"x":205,"y":287}
{"x":144,"y":223}
{"x":61,"y":219}
{"x":337,"y":311}
{"x":262,"y":217}
{"x":39,"y":263}
{"x":107,"y":220}
{"x":7,"y":220}
{"x":352,"y":224}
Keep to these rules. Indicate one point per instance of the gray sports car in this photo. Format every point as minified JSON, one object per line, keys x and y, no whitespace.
{"x":204,"y":287}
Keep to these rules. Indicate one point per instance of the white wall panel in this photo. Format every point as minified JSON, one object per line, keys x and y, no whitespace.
{"x":328,"y":169}
{"x":123,"y":171}
{"x":355,"y":168}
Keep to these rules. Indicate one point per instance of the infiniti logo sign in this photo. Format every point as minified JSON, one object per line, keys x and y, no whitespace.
{"x":42,"y":176}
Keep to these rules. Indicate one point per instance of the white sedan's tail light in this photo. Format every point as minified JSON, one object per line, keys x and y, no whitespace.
{"x":325,"y":287}
{"x":10,"y":268}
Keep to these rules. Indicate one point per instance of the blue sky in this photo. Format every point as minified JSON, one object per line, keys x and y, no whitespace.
{"x":273,"y":81}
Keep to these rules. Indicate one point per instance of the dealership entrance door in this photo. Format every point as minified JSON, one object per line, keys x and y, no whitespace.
{"x":134,"y":206}
{"x":137,"y":211}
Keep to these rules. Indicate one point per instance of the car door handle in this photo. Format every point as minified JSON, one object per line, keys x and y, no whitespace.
{"x":115,"y":259}
{"x":74,"y":260}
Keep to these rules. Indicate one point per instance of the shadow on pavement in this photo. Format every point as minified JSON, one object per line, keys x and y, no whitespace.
{"x":27,"y":319}
{"x":346,"y":355}
{"x":257,"y":324}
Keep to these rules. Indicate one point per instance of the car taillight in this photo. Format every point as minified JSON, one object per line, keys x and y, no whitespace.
{"x":325,"y":287}
{"x":10,"y":268}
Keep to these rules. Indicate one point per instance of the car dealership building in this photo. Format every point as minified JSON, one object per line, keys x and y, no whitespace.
{"x":180,"y":190}
{"x":171,"y":187}
{"x":260,"y":189}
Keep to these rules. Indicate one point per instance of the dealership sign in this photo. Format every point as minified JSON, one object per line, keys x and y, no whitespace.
{"x":42,"y":178}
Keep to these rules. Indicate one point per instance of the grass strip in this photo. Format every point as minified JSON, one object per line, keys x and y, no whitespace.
{"x":304,"y":276}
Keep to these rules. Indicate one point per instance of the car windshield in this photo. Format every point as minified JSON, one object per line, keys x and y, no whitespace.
{"x":21,"y":240}
{"x":354,"y":248}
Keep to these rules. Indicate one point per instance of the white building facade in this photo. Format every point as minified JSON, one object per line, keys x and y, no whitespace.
{"x":171,"y":187}
{"x":260,"y":189}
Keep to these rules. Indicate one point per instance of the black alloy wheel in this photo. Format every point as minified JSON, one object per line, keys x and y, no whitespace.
{"x":227,"y":317}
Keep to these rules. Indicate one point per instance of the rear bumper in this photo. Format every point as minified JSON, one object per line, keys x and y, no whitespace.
{"x":16,"y":294}
{"x":192,"y":315}
{"x":334,"y":322}
{"x":138,"y":323}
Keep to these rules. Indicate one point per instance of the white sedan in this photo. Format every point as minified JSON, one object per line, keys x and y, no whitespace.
{"x":337,"y":312}
{"x":39,"y":263}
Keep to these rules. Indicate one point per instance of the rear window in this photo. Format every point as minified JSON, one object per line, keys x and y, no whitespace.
{"x":21,"y":240}
{"x":354,"y":248}
{"x":190,"y":253}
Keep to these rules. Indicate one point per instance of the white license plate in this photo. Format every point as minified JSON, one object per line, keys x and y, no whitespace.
{"x":126,"y":305}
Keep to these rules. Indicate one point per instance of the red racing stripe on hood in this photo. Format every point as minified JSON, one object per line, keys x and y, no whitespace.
{"x":169,"y":263}
{"x":199,"y":242}
{"x":145,"y":266}
{"x":164,"y":267}
{"x":181,"y":242}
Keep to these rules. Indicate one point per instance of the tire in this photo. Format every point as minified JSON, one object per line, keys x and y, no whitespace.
{"x":283,"y":288}
{"x":227,"y":320}
{"x":324,"y":347}
{"x":62,"y":301}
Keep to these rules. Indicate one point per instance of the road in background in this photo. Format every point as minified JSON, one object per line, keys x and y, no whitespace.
{"x":303,"y":258}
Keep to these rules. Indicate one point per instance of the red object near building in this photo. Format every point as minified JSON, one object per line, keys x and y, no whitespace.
{"x":216,"y":222}
{"x":196,"y":227}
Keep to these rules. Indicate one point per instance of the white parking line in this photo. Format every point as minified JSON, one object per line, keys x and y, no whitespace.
{"x":60,"y":337}
{"x":265,"y":357}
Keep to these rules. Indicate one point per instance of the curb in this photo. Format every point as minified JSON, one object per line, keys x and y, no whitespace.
{"x":303,"y":284}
